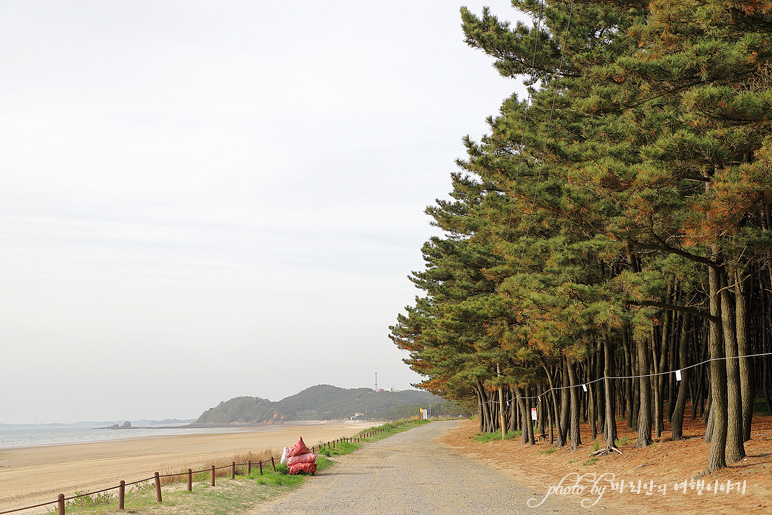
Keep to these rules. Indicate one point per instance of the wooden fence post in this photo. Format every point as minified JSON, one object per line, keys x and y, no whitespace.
{"x":60,"y":505}
{"x":261,"y":467}
{"x":157,"y":487}
{"x":273,"y":464}
{"x":249,"y":467}
{"x":233,"y":470}
{"x":212,"y":475}
{"x":190,"y":480}
{"x":122,"y":495}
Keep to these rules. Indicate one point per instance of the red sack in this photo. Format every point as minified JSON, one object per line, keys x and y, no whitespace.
{"x":309,"y":468}
{"x":298,"y":449}
{"x":303,"y":458}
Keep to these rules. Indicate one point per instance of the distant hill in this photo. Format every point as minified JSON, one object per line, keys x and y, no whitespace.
{"x":325,"y":402}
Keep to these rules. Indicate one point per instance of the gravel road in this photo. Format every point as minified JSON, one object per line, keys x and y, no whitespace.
{"x":411,"y":473}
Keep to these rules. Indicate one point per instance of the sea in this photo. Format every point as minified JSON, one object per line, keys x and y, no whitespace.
{"x":14,"y":437}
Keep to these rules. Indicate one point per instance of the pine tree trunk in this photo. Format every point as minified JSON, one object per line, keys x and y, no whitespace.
{"x":502,"y":410}
{"x":709,"y":425}
{"x":628,"y":382}
{"x":485,"y":410}
{"x":542,"y":417}
{"x":549,"y":420}
{"x":523,"y":410}
{"x":677,"y":420}
{"x":718,"y":409}
{"x":735,"y":451}
{"x":528,"y":426}
{"x":708,"y":405}
{"x":608,"y":372}
{"x":555,"y":413}
{"x":747,"y":380}
{"x":764,"y":305}
{"x":512,"y":426}
{"x":599,"y":403}
{"x":655,"y":381}
{"x":672,"y":356}
{"x":493,"y":412}
{"x":644,"y":413}
{"x":591,"y":405}
{"x":667,"y":317}
{"x":576,"y":439}
{"x":480,"y":408}
{"x":565,"y":404}
{"x":636,"y":396}
{"x":765,"y":386}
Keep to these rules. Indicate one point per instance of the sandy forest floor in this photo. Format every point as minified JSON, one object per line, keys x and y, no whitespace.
{"x":660,"y":467}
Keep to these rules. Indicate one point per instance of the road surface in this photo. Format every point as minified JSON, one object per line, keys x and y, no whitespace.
{"x":412,"y":473}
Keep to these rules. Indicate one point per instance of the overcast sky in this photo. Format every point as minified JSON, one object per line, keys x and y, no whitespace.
{"x":204,"y":200}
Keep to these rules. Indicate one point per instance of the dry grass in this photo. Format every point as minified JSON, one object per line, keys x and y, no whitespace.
{"x":202,"y":471}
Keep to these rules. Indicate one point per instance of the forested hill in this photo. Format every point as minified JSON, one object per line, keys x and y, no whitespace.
{"x":325,"y":402}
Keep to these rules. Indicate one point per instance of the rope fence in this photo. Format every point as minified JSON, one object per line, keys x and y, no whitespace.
{"x":61,"y":501}
{"x":655,"y":374}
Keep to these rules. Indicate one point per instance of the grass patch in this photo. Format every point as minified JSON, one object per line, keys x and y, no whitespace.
{"x":590,"y":461}
{"x":547,"y":451}
{"x":492,"y":437}
{"x":340,"y":448}
{"x":392,"y":428}
{"x":226,"y":498}
{"x":90,"y":501}
{"x":760,"y":406}
{"x":281,"y":477}
{"x":623,"y":441}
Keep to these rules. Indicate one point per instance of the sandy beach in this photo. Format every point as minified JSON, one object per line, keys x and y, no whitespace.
{"x":38,"y":474}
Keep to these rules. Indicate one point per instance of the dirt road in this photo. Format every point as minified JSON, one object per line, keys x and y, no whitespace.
{"x":412,"y":473}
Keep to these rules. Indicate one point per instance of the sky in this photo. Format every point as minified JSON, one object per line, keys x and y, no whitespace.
{"x":201,"y":200}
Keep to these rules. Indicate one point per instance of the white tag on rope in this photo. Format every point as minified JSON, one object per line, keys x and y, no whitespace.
{"x":677,"y":375}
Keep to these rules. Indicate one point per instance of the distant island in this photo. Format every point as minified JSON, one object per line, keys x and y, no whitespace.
{"x":326,"y":402}
{"x":125,"y":425}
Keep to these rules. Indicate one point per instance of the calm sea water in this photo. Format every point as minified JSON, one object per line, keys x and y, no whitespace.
{"x":16,"y":437}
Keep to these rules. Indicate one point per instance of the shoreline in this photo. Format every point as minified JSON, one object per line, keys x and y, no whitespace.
{"x":122,"y":434}
{"x":31,"y":475}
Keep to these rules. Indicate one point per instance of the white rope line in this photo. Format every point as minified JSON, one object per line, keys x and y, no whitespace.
{"x":584,"y":385}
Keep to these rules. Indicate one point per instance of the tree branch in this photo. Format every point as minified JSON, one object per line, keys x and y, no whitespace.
{"x":661,"y":245}
{"x":673,"y":307}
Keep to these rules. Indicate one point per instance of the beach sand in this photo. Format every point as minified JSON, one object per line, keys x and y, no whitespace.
{"x":39,"y":474}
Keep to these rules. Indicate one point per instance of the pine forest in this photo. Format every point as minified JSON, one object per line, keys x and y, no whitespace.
{"x":605,"y":254}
